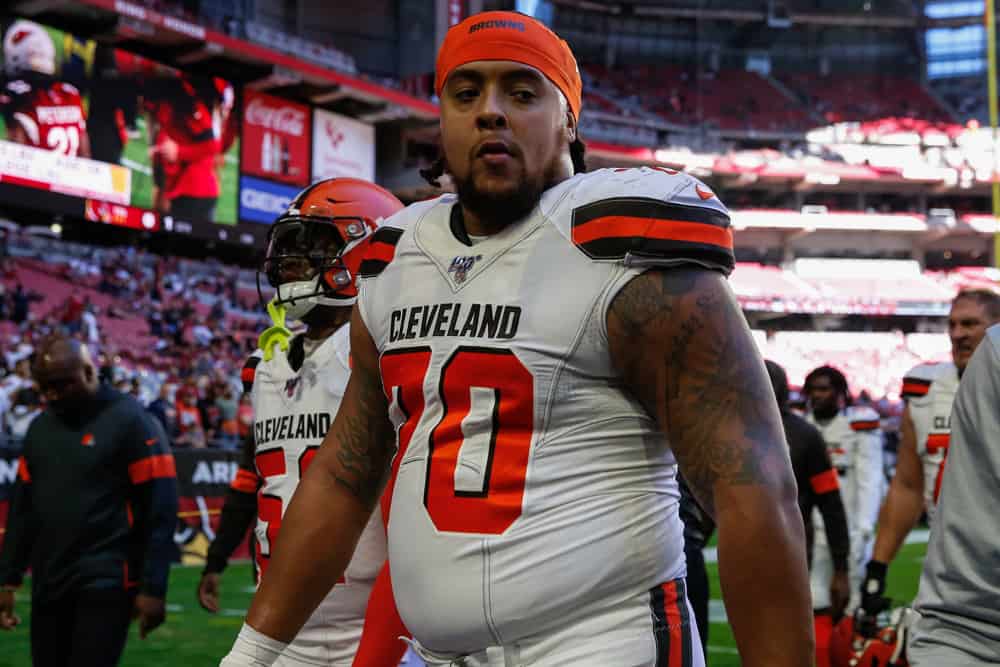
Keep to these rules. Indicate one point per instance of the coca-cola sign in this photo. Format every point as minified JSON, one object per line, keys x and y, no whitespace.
{"x":276,"y":139}
{"x":284,"y":118}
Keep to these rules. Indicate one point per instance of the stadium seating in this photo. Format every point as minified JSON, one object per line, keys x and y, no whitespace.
{"x":865,"y":97}
{"x":845,"y":288}
{"x":732,"y":99}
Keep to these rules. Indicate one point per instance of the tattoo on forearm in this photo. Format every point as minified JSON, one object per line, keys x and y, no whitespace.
{"x":697,"y":370}
{"x":365,"y":442}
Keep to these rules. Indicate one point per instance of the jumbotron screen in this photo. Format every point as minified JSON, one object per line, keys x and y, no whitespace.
{"x":137,"y":143}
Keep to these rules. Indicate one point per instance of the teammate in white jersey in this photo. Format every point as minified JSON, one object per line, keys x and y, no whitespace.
{"x":296,"y":384}
{"x":929,"y":390}
{"x":540,"y":354}
{"x":854,"y":442}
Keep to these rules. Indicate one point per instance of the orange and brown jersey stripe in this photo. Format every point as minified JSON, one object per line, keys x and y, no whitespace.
{"x":672,"y":625}
{"x":937,"y":442}
{"x":915,"y":387}
{"x":654,"y":229}
{"x":22,"y":471}
{"x":864,"y":425}
{"x":824,"y":482}
{"x":380,"y":251}
{"x":152,"y":467}
{"x":245,"y":481}
{"x":249,"y":372}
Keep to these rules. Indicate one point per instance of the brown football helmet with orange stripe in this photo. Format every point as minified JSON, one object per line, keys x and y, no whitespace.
{"x":315,"y":248}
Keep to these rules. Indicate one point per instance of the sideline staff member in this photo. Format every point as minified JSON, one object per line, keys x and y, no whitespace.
{"x":93,"y":511}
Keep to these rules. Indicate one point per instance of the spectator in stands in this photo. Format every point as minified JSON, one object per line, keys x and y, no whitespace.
{"x":226,"y":406}
{"x":25,"y":406}
{"x":68,"y":519}
{"x":163,"y":409}
{"x":20,"y":305}
{"x":72,"y":310}
{"x":88,"y":326}
{"x":155,"y":321}
{"x":207,"y":407}
{"x":201,"y":334}
{"x":20,"y":378}
{"x":190,"y":432}
{"x":218,"y":313}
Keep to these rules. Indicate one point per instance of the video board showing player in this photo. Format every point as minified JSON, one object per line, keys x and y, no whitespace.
{"x":86,"y":119}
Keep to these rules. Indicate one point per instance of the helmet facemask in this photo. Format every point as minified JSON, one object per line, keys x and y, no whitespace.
{"x":309,"y":260}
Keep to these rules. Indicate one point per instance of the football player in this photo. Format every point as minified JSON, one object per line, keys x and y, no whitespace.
{"x":296,"y":384}
{"x":536,"y":355}
{"x":854,"y":442}
{"x":929,"y":391}
{"x":39,"y":110}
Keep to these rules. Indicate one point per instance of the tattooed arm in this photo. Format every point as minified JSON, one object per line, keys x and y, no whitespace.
{"x":333,"y":502}
{"x":684,"y":349}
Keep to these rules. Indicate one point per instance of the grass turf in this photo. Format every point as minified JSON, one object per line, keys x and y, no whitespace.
{"x":192,"y":637}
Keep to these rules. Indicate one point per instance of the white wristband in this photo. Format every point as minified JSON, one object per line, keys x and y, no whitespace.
{"x":253,"y":649}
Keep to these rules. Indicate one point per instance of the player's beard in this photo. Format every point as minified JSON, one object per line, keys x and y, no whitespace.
{"x":498,"y":210}
{"x":825,"y":412}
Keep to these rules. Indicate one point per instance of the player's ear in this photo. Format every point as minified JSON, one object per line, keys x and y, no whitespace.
{"x":570,"y":127}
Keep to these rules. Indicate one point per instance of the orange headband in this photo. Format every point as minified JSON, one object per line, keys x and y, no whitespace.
{"x":514,"y":37}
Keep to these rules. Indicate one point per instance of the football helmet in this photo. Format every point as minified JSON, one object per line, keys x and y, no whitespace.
{"x":887,"y":648}
{"x":314,"y":248}
{"x":27,"y":47}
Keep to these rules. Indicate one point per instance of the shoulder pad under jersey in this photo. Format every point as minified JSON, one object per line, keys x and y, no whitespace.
{"x":380,"y":251}
{"x":917,"y":381}
{"x":250,"y":370}
{"x":862,"y":418}
{"x":644,"y":217}
{"x":382,"y":247}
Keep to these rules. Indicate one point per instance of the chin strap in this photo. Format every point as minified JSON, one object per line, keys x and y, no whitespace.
{"x":277,"y":334}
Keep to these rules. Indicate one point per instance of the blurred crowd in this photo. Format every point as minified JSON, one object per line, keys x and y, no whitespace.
{"x":174,"y":333}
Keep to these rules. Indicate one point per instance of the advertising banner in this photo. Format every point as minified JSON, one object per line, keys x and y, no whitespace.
{"x":263,"y":201}
{"x":121,"y":216}
{"x":342,"y":147}
{"x":276,"y":137}
{"x":57,"y":172}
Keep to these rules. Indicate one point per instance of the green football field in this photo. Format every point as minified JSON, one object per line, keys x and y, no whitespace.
{"x":192,"y":637}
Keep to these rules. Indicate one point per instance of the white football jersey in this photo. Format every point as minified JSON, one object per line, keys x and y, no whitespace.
{"x":292,"y":413}
{"x":532,"y":489}
{"x":854,"y":441}
{"x":931,"y":416}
